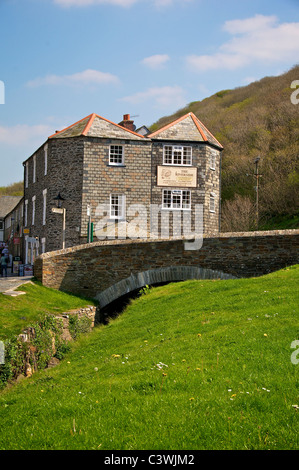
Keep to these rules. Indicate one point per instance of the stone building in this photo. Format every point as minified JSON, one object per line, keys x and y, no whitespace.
{"x":7,"y":206}
{"x":109,"y":177}
{"x":11,"y":230}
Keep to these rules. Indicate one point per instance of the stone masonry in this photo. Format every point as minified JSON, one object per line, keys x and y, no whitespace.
{"x":75,"y":162}
{"x":106,"y":270}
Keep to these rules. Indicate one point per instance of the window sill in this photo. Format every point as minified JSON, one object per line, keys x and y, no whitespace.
{"x":175,"y":209}
{"x":116,"y":165}
{"x":177,"y":164}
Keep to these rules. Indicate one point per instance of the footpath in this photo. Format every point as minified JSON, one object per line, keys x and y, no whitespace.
{"x":11,"y":282}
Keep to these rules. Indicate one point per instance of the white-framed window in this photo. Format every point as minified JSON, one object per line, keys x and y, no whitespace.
{"x":26,"y":213}
{"x":33,"y":209}
{"x":46,"y":159}
{"x":212,"y":202}
{"x":34,"y":169}
{"x":117,"y":206}
{"x":213,"y":156}
{"x":26,"y":174}
{"x":176,"y":199}
{"x":116,"y":155}
{"x":177,"y":155}
{"x":44,"y":206}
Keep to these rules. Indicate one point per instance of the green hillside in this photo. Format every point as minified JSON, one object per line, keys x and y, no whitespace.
{"x":14,"y":189}
{"x":191,"y":365}
{"x":250,"y":121}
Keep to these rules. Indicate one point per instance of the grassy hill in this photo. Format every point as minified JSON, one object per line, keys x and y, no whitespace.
{"x":191,"y":365}
{"x":258,"y":119}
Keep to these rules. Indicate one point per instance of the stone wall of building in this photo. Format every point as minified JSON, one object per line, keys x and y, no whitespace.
{"x":207,"y":184}
{"x":92,"y":269}
{"x":100,"y":179}
{"x":61,"y":173}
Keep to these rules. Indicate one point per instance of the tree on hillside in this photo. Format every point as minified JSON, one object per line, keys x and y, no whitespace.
{"x":14,"y":189}
{"x":258,"y":119}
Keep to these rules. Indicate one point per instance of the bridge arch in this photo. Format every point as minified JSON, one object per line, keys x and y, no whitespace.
{"x":156,"y":276}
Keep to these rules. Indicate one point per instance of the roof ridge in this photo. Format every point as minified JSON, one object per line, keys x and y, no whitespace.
{"x":68,"y":127}
{"x":207,"y":130}
{"x":89,"y":124}
{"x":121,"y":127}
{"x":197,"y":123}
{"x":91,"y":118}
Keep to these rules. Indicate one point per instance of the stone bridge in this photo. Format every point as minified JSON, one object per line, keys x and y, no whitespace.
{"x":107,"y":270}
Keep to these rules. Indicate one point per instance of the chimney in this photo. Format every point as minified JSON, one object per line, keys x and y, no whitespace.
{"x":127,"y":123}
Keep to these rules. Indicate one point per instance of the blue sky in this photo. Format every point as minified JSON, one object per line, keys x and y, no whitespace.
{"x":62,"y":60}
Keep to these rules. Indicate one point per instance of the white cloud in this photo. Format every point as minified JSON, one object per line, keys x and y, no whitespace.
{"x":85,"y":3}
{"x":155,"y":61}
{"x":87,"y":77}
{"x":260,"y":38}
{"x":121,"y":3}
{"x":166,"y":3}
{"x":23,"y":134}
{"x":161,"y":97}
{"x":249,"y":25}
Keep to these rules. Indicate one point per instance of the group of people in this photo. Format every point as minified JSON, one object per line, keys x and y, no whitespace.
{"x":4,"y":261}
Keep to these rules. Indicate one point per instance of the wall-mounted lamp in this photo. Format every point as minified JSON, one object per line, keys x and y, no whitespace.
{"x":59,"y":200}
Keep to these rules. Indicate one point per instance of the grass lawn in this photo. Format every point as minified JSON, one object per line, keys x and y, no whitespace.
{"x":17,"y":313}
{"x":191,"y":365}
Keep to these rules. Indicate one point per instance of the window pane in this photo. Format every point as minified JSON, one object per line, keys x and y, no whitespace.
{"x":168,"y":154}
{"x":187,"y":156}
{"x":213,"y":160}
{"x":186,"y":200}
{"x":166,"y":199}
{"x":116,"y":154}
{"x":177,"y":155}
{"x":212,"y":203}
{"x":176,"y":201}
{"x":117,"y":206}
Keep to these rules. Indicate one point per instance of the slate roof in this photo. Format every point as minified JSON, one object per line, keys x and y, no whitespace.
{"x":96,"y":126}
{"x":187,"y":127}
{"x":7,"y":204}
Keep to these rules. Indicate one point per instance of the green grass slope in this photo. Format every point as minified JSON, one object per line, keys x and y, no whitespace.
{"x":16,"y":313}
{"x":192,"y":365}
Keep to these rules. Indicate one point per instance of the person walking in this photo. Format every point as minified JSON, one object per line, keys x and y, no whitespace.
{"x":3,"y":265}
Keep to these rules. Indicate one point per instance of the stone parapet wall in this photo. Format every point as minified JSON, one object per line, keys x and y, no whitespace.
{"x":91,"y":269}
